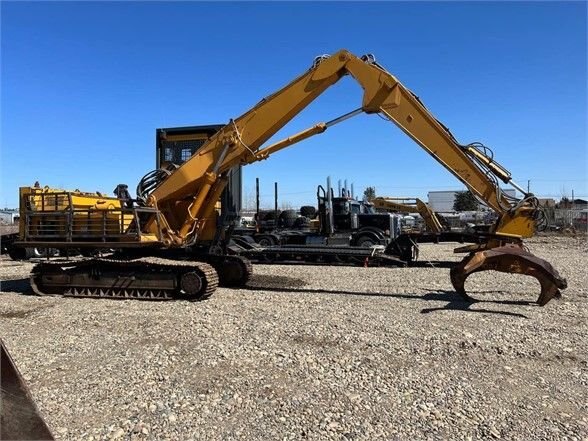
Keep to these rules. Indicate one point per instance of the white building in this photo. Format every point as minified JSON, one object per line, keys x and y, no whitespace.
{"x":8,"y":217}
{"x":442,"y":201}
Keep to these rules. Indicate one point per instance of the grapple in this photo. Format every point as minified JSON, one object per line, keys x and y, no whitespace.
{"x":511,"y":258}
{"x":19,"y":417}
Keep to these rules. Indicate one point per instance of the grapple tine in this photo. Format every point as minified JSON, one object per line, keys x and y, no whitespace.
{"x":19,"y":417}
{"x":510,"y":259}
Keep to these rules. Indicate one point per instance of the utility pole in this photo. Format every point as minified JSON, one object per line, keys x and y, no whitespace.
{"x":257,"y":200}
{"x":528,"y":186}
{"x":276,"y":203}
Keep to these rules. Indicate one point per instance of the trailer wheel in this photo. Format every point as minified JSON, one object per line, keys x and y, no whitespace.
{"x":35,"y":252}
{"x":41,"y":252}
{"x":366,"y":241}
{"x":21,"y":253}
{"x":17,"y":253}
{"x":266,"y":241}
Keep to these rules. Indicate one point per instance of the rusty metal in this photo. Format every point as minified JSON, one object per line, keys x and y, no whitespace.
{"x":19,"y":417}
{"x":514,"y":259}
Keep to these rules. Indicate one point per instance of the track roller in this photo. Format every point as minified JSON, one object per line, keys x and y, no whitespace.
{"x":233,"y":271}
{"x":191,"y":285}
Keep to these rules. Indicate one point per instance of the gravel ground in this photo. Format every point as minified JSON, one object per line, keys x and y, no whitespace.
{"x":310,"y":352}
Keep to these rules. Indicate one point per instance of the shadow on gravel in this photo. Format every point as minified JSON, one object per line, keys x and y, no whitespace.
{"x":267,"y":281}
{"x":433,"y":264}
{"x":21,"y":286}
{"x":456,"y":302}
{"x":23,"y":313}
{"x":360,"y":264}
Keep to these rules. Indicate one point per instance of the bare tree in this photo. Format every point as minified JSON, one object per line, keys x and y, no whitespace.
{"x":249,"y":202}
{"x":369,"y":193}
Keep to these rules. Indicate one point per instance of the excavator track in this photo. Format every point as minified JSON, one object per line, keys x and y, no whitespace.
{"x":148,"y":278}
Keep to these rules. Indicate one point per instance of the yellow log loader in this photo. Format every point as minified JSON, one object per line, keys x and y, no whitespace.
{"x":432,"y":220}
{"x":169,"y":243}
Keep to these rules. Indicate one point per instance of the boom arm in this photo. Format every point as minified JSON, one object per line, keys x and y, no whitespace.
{"x":187,"y":197}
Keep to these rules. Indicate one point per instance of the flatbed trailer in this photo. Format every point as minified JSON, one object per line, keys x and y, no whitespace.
{"x":322,"y":255}
{"x":400,"y":252}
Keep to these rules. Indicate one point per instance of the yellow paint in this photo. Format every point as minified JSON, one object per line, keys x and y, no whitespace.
{"x":92,"y":214}
{"x":429,"y":216}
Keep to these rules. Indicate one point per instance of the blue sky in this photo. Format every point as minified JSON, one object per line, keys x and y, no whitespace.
{"x":85,"y":85}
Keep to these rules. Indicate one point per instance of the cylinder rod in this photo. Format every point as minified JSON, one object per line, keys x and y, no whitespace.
{"x":344,"y":117}
{"x":518,"y":187}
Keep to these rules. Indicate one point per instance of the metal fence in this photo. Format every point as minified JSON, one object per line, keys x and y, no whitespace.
{"x":567,"y":217}
{"x":557,"y":218}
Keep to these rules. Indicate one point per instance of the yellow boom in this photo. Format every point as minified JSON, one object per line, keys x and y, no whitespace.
{"x":185,"y":198}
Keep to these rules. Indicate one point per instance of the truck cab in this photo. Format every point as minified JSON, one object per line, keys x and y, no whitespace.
{"x":345,"y":215}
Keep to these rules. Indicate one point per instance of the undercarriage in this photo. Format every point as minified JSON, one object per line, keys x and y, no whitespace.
{"x":142,"y":278}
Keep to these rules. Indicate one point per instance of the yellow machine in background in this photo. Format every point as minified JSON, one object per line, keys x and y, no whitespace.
{"x":410,"y":205}
{"x":174,"y":246}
